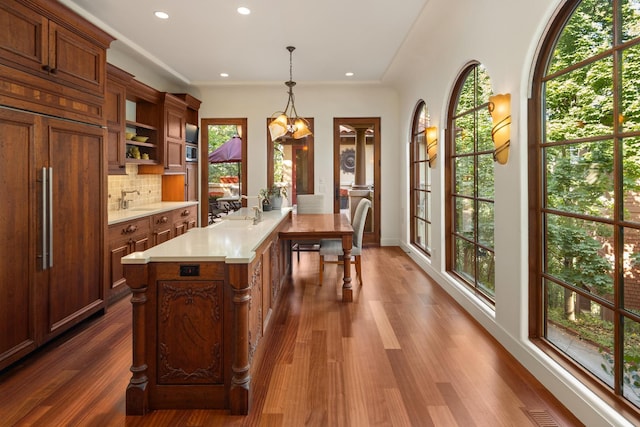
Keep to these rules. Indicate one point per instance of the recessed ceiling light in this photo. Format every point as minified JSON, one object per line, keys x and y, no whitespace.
{"x":224,"y":75}
{"x":244,"y":10}
{"x":349,"y":74}
{"x":161,"y":15}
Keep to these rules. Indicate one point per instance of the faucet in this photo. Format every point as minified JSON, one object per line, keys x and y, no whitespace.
{"x":258,"y":201}
{"x":124,"y":202}
{"x":257,"y":215}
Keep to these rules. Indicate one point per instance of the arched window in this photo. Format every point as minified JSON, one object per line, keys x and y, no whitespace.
{"x":420,"y":181}
{"x":585,"y":199}
{"x":470,"y":189}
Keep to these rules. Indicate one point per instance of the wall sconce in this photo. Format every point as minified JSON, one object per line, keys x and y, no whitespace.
{"x":500,"y":109}
{"x":431,"y":134}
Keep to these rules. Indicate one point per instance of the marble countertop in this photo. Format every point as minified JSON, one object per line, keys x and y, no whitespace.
{"x":232,"y":241}
{"x":136,"y":212}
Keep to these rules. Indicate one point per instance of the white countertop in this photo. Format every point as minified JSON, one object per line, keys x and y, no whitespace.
{"x":232,"y":241}
{"x":135,"y":212}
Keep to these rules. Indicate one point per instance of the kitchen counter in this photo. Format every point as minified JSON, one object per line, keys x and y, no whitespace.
{"x":202,"y":304}
{"x":136,"y":212}
{"x":232,"y":241}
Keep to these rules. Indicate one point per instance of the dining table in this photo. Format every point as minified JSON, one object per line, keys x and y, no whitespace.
{"x":325,"y":226}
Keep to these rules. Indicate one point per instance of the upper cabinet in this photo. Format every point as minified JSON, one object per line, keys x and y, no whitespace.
{"x":175,"y":110}
{"x":115,"y":112}
{"x":54,"y":60}
{"x":143,"y":122}
{"x":146,"y":127}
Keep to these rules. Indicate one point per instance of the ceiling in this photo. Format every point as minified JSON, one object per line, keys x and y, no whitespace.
{"x":203,"y":38}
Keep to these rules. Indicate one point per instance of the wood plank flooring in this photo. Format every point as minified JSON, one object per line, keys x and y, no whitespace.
{"x":402,"y":354}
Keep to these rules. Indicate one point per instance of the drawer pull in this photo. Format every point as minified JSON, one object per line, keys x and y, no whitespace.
{"x":185,"y":212}
{"x":130,"y":229}
{"x":162,"y":220}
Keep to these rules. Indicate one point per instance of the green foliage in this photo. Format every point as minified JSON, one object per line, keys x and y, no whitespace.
{"x":573,"y":255}
{"x":591,"y":102}
{"x":474,"y":181}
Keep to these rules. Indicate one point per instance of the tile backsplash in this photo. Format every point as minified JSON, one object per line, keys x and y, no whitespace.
{"x":149,"y":186}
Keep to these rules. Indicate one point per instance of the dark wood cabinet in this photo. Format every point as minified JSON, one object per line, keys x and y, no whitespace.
{"x":145,"y":120}
{"x":18,"y":329}
{"x":54,"y":59}
{"x":124,"y":239}
{"x":161,"y":228}
{"x":51,"y":260}
{"x":204,"y":327}
{"x":140,"y":234}
{"x":174,"y":111}
{"x":34,"y":42}
{"x":52,"y":170}
{"x":115,"y":114}
{"x":184,"y":220}
{"x":191,"y":182}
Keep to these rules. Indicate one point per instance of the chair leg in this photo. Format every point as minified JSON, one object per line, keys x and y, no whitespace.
{"x":359,"y":269}
{"x":321,"y":269}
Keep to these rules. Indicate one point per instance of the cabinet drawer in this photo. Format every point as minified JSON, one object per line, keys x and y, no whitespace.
{"x":162,"y":227}
{"x":129,"y":229}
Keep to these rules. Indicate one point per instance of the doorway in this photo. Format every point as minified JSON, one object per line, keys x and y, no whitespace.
{"x":290,"y":164}
{"x":356,"y":170}
{"x":224,"y":179}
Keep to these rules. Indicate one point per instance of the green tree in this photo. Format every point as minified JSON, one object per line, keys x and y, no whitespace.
{"x":591,"y":109}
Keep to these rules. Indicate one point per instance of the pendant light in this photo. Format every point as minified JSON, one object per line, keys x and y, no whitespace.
{"x":287,"y":121}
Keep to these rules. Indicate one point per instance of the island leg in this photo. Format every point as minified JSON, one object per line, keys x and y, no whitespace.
{"x":240,"y":393}
{"x":137,"y":395}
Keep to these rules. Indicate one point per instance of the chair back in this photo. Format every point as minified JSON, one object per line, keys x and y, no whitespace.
{"x":359,"y":218}
{"x":310,"y":203}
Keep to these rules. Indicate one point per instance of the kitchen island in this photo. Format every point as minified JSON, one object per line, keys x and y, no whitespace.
{"x":201,"y":305}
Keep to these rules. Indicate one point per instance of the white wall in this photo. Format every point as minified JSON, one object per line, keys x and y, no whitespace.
{"x":323,"y":103}
{"x":504,"y":36}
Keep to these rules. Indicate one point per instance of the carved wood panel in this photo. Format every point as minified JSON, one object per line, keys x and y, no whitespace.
{"x":190,"y":326}
{"x":255,"y":310}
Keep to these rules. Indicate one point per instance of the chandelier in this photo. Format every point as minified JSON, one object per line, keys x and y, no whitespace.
{"x":287,"y":121}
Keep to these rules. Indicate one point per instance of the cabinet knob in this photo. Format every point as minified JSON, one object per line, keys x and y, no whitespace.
{"x":185,"y":212}
{"x":49,"y":69}
{"x":162,"y":220}
{"x":130,"y":229}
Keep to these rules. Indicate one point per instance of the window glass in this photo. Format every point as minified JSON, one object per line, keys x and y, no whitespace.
{"x":580,"y":178}
{"x":588,"y":32}
{"x":578,"y":104}
{"x":629,"y":116}
{"x":587,"y":201}
{"x":420,"y":181}
{"x":631,"y":364}
{"x":582,"y":329}
{"x":472,"y":183}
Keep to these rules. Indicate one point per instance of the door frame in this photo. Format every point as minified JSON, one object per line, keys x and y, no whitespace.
{"x":204,"y":161}
{"x":371,"y":238}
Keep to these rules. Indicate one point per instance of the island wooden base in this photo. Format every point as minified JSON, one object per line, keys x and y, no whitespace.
{"x":197,"y":328}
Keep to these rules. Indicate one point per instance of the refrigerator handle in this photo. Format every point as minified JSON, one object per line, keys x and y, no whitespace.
{"x":45,"y":220}
{"x":50,"y":205}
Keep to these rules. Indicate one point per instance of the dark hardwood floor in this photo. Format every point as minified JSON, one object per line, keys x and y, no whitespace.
{"x":402,"y":354}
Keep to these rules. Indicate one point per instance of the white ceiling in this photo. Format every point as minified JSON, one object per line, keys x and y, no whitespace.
{"x":203,"y":38}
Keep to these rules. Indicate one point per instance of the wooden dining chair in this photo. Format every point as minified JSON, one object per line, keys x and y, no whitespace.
{"x":333,"y":247}
{"x":307,"y":204}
